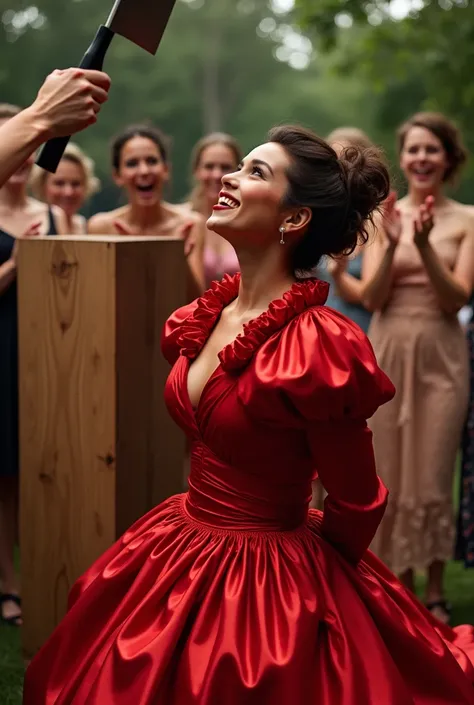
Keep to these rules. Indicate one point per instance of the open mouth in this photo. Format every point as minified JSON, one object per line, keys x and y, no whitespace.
{"x":227,"y":201}
{"x":422,"y":170}
{"x":145,"y":188}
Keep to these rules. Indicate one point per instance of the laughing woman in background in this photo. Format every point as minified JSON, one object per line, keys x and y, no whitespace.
{"x":417,"y":279}
{"x":141,"y":169}
{"x":213,"y":156}
{"x":69,"y":188}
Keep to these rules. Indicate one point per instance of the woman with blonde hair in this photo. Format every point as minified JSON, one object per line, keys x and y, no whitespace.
{"x":213,"y":156}
{"x":69,"y":188}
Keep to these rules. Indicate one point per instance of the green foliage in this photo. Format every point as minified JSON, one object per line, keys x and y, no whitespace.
{"x":213,"y":70}
{"x":421,"y":61}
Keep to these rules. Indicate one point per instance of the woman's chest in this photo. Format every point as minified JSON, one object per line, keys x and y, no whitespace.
{"x":229,"y":421}
{"x":18,"y":221}
{"x":445,"y":239}
{"x":203,"y":367}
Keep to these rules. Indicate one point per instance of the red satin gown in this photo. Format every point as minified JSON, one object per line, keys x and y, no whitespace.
{"x":235,"y":594}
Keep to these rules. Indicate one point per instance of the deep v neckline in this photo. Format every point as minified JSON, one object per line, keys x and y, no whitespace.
{"x":196,"y":409}
{"x":197,"y":327}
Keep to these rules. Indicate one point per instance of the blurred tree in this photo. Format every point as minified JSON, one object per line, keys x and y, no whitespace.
{"x":223,"y":64}
{"x":415,"y":54}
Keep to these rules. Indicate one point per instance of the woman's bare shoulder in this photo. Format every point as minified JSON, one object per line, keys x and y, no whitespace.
{"x":103,"y":223}
{"x":184,"y":212}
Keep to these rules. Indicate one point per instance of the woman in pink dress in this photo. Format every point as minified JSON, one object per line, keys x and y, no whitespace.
{"x":234,"y":593}
{"x":213,"y":156}
{"x":416,"y":285}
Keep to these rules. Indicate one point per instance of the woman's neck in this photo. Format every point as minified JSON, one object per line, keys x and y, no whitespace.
{"x":416,"y":197}
{"x":146,"y":216}
{"x":262,"y":279}
{"x":13,"y":197}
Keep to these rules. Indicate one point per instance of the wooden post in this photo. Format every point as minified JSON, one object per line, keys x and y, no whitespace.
{"x":97,"y":446}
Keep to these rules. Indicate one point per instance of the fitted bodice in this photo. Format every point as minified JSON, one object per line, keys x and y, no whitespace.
{"x":240,"y":470}
{"x":280,"y":386}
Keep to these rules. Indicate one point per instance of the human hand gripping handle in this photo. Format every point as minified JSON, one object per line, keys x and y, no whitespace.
{"x":53,"y":150}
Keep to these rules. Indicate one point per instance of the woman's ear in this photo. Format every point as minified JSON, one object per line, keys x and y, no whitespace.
{"x":298,"y":220}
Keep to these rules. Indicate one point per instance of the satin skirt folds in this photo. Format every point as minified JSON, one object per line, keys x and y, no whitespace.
{"x":182,"y":613}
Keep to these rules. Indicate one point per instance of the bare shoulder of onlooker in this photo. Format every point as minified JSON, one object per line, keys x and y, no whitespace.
{"x":103,"y":223}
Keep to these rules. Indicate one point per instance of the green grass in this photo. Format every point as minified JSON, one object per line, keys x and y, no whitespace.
{"x":460,"y":591}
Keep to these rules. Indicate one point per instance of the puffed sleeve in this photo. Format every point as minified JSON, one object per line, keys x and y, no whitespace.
{"x":172,"y":331}
{"x":324,"y":377}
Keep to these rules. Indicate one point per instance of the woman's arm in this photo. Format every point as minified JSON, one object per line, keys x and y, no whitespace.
{"x":377,"y":274}
{"x":453,"y":289}
{"x":195,"y":242}
{"x":378,"y":257}
{"x":356,"y":501}
{"x":7,"y":274}
{"x":67,"y":102}
{"x":346,"y":286}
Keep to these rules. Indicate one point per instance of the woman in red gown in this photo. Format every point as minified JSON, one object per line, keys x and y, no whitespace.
{"x":234,"y":593}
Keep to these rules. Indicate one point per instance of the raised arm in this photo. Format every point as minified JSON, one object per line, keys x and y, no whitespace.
{"x":453,"y":288}
{"x":194,"y":250}
{"x":356,"y":499}
{"x":347,"y":287}
{"x":378,"y":258}
{"x":67,"y":102}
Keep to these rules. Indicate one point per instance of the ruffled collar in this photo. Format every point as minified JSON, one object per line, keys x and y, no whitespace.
{"x":197,"y":328}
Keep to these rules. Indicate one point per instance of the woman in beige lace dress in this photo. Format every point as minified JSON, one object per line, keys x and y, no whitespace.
{"x":417,"y":278}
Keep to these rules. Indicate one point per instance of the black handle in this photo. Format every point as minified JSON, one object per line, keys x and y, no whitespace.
{"x":53,"y":150}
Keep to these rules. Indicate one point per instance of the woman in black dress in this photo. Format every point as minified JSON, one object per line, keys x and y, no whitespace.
{"x":20,"y":216}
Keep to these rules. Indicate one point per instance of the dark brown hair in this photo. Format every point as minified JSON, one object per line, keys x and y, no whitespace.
{"x":148,"y":131}
{"x":196,"y":196}
{"x":8,"y":111}
{"x":447,"y":133}
{"x":341,"y":193}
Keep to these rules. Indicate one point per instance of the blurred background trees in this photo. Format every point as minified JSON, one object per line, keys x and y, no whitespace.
{"x":244,"y":65}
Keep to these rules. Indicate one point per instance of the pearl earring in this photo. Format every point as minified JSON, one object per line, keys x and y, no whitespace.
{"x":282,"y":232}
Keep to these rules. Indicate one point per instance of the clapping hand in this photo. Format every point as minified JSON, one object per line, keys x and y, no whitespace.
{"x":423,"y":223}
{"x":392,"y":220}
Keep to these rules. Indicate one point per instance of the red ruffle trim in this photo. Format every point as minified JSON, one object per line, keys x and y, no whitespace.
{"x":198,"y":326}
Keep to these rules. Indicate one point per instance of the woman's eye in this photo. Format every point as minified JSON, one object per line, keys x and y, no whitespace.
{"x":256,"y":170}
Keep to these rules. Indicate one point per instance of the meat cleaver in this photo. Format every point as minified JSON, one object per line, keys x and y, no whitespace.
{"x":143,"y":22}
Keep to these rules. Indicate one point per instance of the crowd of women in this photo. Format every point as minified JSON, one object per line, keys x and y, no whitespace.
{"x":407,"y":292}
